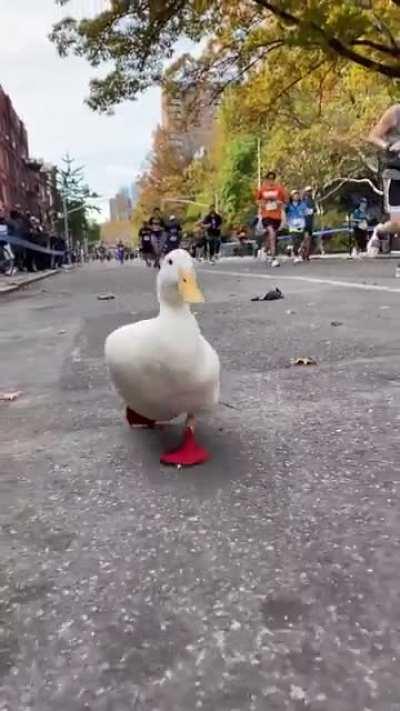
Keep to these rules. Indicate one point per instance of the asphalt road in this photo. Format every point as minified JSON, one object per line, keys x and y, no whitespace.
{"x":265,"y":580}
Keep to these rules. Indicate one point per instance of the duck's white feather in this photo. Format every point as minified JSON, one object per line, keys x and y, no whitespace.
{"x":163,"y":367}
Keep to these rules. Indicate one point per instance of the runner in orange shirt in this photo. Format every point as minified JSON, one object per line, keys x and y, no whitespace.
{"x":272,"y":198}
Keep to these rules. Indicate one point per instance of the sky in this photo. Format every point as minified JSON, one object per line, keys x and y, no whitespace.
{"x":48,"y":94}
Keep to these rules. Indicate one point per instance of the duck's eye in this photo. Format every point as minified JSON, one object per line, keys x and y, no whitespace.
{"x":170,"y":261}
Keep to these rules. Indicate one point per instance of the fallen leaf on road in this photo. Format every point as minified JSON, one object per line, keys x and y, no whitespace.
{"x":336,"y":323}
{"x":304,"y":361}
{"x":10,"y":397}
{"x":105,"y":297}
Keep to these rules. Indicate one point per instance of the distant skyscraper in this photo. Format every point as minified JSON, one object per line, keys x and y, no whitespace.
{"x":121,"y":206}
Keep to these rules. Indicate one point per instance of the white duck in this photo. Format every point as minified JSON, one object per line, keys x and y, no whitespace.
{"x":163,"y":367}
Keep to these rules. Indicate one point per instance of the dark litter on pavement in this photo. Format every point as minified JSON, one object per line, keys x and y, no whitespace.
{"x":304,"y":361}
{"x":272,"y":295}
{"x":105,"y":297}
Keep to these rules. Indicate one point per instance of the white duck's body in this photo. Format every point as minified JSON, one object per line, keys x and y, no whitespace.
{"x":163,"y":367}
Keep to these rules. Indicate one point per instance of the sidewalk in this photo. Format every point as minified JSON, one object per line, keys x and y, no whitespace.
{"x":10,"y":284}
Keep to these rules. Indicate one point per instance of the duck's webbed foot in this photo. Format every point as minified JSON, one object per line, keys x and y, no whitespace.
{"x":189,"y":453}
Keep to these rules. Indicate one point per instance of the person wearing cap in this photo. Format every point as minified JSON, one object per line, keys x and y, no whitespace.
{"x":310,"y":212}
{"x":359,"y":221}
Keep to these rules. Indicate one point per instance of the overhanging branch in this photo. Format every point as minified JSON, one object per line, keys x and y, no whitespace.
{"x":334,"y":43}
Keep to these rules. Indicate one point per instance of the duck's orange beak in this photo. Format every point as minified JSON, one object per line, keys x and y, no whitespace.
{"x":188,"y":287}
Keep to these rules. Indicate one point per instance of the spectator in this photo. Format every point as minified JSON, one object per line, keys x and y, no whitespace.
{"x":359,"y":223}
{"x":4,"y":225}
{"x":244,"y":242}
{"x":16,"y":230}
{"x":272,"y":198}
{"x":213,"y":223}
{"x":198,"y":243}
{"x":6,"y":253}
{"x":310,"y":212}
{"x":61,"y":246}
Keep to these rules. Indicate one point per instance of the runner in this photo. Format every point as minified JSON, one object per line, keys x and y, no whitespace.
{"x":296,"y":218}
{"x":157,"y":218}
{"x":102,"y":252}
{"x":213,"y":222}
{"x":121,"y":252}
{"x":272,"y":198}
{"x":174,"y":235}
{"x":158,"y":236}
{"x":311,"y":210}
{"x":386,"y":136}
{"x":146,"y":247}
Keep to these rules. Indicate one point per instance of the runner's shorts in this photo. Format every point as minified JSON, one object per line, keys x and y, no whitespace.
{"x":392,"y":196}
{"x":271,"y":222}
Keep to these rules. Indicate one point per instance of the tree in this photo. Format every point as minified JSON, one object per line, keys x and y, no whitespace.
{"x":166,"y":175}
{"x":137,"y":36}
{"x":93,"y":232}
{"x":312,"y":132}
{"x":76,"y":198}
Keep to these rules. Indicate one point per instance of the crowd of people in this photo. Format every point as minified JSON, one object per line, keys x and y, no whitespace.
{"x":158,"y":236}
{"x":19,"y":230}
{"x":277,"y":209}
{"x":281,"y":214}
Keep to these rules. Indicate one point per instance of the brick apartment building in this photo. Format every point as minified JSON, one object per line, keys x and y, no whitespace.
{"x":28,"y":183}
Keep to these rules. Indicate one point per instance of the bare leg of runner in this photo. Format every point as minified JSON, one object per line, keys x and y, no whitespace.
{"x":392,"y":206}
{"x":305,"y":249}
{"x":272,"y":241}
{"x":391,"y":227}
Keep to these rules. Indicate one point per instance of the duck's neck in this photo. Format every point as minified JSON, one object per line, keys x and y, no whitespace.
{"x":175,"y":310}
